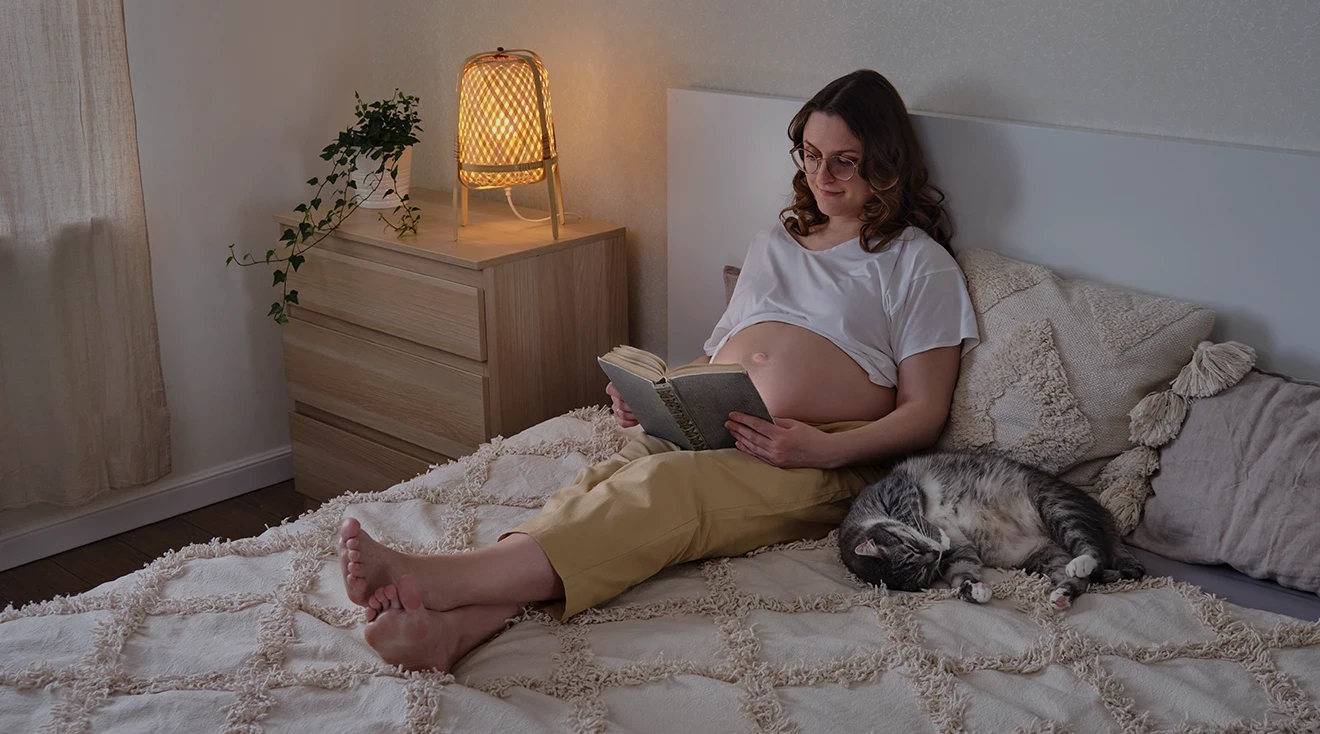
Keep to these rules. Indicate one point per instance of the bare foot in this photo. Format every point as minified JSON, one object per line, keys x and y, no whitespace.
{"x":408,"y":635}
{"x":367,"y":565}
{"x":513,"y":571}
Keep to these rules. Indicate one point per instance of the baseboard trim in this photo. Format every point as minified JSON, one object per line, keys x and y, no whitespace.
{"x":186,"y":494}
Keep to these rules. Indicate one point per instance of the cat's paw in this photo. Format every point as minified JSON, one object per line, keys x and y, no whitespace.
{"x":1060,"y":600}
{"x":981,"y":593}
{"x":975,"y":592}
{"x":1081,"y":567}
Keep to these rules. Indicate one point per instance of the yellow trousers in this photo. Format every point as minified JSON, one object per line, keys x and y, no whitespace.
{"x":653,"y":505}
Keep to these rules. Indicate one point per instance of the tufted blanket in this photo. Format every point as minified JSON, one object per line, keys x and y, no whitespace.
{"x":257,"y":635}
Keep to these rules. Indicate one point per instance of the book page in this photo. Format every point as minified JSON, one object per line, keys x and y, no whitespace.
{"x":641,"y":356}
{"x":696,"y":369}
{"x":637,"y":363}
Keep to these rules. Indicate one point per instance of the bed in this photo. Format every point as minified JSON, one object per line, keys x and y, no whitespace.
{"x":257,"y":635}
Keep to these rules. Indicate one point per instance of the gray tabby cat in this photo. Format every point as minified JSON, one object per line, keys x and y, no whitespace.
{"x":947,"y":514}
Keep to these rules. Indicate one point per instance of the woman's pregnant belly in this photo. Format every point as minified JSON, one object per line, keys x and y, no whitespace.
{"x":802,"y":375}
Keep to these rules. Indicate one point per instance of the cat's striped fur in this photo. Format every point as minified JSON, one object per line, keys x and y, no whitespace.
{"x":946,"y":514}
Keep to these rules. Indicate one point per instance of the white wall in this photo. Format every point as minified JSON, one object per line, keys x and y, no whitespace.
{"x":1222,"y":70}
{"x":234,"y":101}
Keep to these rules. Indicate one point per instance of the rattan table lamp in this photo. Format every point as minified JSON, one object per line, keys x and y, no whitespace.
{"x":506,"y":136}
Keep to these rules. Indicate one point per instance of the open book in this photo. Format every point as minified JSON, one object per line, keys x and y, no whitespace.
{"x":686,"y":405}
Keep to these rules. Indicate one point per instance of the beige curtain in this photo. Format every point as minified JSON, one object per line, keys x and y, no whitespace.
{"x":82,"y":401}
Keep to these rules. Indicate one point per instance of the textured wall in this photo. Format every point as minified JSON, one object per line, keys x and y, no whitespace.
{"x":1223,"y":70}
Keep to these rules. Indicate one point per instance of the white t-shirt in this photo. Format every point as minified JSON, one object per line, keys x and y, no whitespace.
{"x":878,"y":307}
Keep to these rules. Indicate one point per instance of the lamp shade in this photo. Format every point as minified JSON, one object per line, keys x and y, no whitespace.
{"x":506,"y":135}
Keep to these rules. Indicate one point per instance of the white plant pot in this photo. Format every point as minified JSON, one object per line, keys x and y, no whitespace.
{"x":366,"y":177}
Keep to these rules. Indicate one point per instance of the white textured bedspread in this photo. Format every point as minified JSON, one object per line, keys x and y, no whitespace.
{"x":257,"y":635}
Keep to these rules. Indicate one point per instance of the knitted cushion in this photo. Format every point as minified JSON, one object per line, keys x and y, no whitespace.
{"x":1060,"y":365}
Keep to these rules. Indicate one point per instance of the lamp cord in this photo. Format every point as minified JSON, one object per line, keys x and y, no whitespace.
{"x":508,"y":194}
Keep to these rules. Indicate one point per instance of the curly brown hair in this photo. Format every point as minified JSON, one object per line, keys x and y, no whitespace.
{"x":892,"y":163}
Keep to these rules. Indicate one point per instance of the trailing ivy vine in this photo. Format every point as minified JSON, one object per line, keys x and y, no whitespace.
{"x":381,"y":133}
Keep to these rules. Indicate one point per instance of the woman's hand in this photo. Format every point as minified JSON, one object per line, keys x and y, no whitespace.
{"x":786,"y":443}
{"x":622,"y":413}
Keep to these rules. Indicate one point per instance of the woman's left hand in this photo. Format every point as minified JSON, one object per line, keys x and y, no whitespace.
{"x":786,"y":443}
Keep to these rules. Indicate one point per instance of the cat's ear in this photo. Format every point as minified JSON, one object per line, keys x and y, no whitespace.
{"x":868,"y":548}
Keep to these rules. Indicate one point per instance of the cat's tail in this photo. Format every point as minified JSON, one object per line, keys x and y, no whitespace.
{"x":1125,"y":566}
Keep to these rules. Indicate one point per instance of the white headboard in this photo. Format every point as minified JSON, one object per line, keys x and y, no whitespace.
{"x":1233,"y":228}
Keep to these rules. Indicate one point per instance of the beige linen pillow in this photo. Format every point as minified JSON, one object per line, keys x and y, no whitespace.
{"x":1060,"y":365}
{"x":1240,"y":482}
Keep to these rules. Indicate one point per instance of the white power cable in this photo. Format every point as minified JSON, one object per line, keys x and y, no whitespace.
{"x":508,"y":194}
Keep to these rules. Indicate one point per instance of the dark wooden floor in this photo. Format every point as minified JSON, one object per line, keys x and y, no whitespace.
{"x":93,"y":564}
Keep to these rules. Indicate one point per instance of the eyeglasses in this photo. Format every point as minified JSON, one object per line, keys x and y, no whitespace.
{"x":838,"y":166}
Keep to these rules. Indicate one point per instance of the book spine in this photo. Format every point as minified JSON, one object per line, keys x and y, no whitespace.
{"x":685,"y":424}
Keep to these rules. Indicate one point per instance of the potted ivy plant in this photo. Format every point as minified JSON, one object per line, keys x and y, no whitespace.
{"x":365,"y":158}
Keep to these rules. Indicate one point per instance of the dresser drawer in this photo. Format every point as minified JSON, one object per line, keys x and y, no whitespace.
{"x":329,"y":461}
{"x":431,"y":311}
{"x":423,"y":402}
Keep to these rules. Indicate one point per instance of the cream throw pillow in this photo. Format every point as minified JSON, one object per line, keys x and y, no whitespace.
{"x":1061,"y":363}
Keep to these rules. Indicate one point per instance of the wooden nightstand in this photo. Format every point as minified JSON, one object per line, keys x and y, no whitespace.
{"x":409,"y":351}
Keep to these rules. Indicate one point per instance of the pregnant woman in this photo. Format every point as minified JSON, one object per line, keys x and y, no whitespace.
{"x":851,"y":317}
